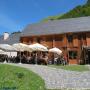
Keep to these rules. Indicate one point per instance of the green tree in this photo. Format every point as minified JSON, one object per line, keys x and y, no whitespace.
{"x":79,"y":11}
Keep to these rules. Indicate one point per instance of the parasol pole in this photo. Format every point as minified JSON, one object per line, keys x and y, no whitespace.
{"x":20,"y":57}
{"x":36,"y":58}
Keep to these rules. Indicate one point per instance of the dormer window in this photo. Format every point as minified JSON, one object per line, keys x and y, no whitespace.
{"x":70,"y":38}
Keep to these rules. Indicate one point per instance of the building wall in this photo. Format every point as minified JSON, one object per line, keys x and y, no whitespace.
{"x":88,"y":39}
{"x":70,"y":43}
{"x":6,"y":35}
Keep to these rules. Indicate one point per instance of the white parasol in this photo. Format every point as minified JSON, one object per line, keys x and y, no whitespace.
{"x":1,"y":51}
{"x":7,"y":47}
{"x":55,"y":50}
{"x":38,"y":47}
{"x":22,"y":47}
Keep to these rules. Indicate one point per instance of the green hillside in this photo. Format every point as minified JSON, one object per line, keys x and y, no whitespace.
{"x":79,"y":11}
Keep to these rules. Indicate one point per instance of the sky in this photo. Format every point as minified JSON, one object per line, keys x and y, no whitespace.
{"x":15,"y":15}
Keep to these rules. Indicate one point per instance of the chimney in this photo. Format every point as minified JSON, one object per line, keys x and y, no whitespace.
{"x":6,"y":35}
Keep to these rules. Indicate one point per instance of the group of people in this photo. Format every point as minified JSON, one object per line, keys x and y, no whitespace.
{"x":59,"y":60}
{"x":34,"y":58}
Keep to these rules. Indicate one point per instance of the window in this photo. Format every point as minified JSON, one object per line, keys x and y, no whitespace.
{"x":49,"y":39}
{"x":38,"y":40}
{"x":70,"y":38}
{"x":59,"y":39}
{"x":72,"y":54}
{"x":82,"y":36}
{"x":79,"y":37}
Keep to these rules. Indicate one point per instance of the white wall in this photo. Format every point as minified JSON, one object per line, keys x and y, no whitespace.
{"x":6,"y":36}
{"x":11,"y":54}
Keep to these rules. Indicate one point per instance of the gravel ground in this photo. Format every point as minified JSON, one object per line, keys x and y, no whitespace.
{"x":59,"y":78}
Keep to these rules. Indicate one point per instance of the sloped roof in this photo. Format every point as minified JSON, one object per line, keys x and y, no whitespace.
{"x":58,"y":26}
{"x":13,"y":38}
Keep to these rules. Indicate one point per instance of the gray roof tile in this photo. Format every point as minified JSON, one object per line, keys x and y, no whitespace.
{"x":13,"y":38}
{"x":58,"y":26}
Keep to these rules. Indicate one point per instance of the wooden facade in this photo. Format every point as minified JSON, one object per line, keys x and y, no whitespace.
{"x":70,"y":43}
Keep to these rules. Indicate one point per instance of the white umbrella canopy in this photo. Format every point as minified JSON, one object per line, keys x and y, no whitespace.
{"x":1,"y":51}
{"x":38,"y":47}
{"x":7,"y":47}
{"x":22,"y":47}
{"x":55,"y":50}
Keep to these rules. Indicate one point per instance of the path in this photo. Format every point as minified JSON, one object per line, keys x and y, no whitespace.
{"x":58,"y":78}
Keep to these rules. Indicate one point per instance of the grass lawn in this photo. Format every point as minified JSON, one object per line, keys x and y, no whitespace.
{"x":79,"y":68}
{"x":16,"y":78}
